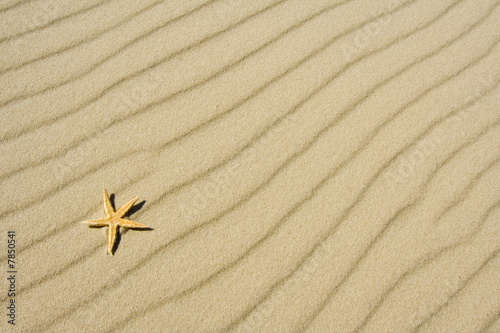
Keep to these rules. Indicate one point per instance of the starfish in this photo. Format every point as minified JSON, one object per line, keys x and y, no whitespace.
{"x":114,"y":220}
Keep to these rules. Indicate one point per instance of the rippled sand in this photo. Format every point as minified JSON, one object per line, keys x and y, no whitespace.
{"x":306,"y":166}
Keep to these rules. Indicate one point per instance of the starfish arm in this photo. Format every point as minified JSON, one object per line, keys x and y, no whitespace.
{"x":97,"y":223}
{"x":108,"y":208}
{"x":132,"y":225}
{"x":124,"y":209}
{"x":112,"y":237}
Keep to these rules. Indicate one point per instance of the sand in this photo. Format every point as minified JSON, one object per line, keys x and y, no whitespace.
{"x":305,"y":166}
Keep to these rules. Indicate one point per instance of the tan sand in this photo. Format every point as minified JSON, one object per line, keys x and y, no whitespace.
{"x":306,"y":166}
